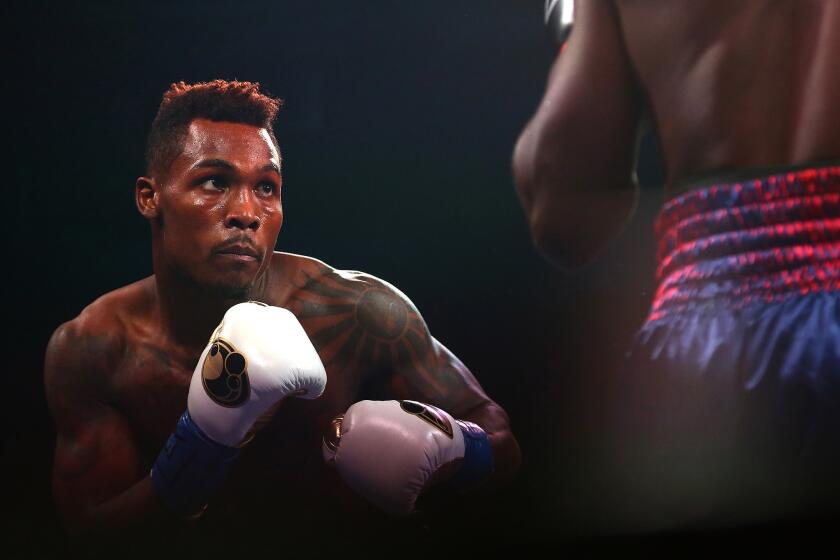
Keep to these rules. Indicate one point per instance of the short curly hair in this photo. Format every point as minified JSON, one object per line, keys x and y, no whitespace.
{"x":219,"y":100}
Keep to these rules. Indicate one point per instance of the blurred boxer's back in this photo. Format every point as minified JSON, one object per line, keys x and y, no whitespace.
{"x":735,"y":85}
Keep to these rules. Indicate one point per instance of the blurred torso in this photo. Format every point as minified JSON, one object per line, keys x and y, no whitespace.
{"x":737,"y":85}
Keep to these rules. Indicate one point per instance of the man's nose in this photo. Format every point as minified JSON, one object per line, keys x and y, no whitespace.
{"x":243,"y":210}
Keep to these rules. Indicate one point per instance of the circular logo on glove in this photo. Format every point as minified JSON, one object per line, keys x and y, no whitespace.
{"x":428,"y":414}
{"x":224,"y":374}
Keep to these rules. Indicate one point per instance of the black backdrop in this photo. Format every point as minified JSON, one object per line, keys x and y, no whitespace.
{"x":397,"y":133}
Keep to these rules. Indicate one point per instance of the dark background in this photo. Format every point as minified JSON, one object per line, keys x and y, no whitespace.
{"x":397,"y":133}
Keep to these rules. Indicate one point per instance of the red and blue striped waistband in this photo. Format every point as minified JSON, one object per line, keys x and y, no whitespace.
{"x":760,"y":239}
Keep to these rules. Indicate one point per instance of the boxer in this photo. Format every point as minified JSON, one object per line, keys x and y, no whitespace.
{"x":205,"y":388}
{"x":732,"y":386}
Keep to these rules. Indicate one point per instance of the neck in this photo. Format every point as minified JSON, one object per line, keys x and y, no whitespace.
{"x":190,"y":312}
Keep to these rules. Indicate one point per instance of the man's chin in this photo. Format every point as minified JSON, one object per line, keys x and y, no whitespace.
{"x":229,"y":286}
{"x":235,"y":285}
{"x":238,"y":291}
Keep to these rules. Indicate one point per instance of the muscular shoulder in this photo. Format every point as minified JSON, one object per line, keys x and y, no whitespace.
{"x":83,"y":351}
{"x":351,"y":314}
{"x":314,"y":279}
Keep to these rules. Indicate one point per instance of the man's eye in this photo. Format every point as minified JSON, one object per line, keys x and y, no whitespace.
{"x":213,"y":184}
{"x":267,"y":188}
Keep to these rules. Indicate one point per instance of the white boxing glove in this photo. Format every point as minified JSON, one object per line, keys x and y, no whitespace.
{"x":389,"y":452}
{"x":257,"y":356}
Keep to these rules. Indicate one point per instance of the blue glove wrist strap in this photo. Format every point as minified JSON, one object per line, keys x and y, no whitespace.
{"x":478,"y":462}
{"x":190,"y":467}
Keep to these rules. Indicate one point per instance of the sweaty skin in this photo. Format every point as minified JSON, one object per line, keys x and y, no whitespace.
{"x":117,"y":376}
{"x":727,"y":86}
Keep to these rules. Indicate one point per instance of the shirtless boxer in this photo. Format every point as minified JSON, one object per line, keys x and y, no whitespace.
{"x":167,"y":393}
{"x":737,"y":368}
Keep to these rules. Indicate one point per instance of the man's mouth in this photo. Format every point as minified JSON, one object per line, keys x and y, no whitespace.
{"x":238,"y":250}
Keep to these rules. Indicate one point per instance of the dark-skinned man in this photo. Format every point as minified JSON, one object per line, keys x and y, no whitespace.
{"x":209,"y":386}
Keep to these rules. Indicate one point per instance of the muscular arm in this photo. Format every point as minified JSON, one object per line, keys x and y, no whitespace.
{"x":425,"y":370}
{"x":98,"y":481}
{"x":364,"y":327}
{"x":573,"y":162}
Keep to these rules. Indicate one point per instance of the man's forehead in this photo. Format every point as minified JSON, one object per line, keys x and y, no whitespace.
{"x":238,"y":141}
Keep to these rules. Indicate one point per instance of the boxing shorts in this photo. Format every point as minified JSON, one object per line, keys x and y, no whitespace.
{"x":733,"y":381}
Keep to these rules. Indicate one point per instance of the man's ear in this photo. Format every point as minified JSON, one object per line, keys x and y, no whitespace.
{"x":146,"y":196}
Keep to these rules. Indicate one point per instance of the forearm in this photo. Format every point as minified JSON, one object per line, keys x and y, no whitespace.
{"x":136,"y":506}
{"x":574,"y":160}
{"x":574,"y":205}
{"x":188,"y":469}
{"x":572,"y":227}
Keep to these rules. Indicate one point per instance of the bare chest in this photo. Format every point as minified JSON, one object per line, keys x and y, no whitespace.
{"x":150,"y":389}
